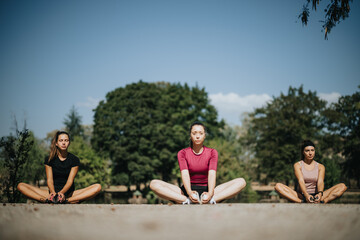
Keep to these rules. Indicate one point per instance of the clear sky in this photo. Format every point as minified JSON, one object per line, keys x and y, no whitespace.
{"x":56,"y":54}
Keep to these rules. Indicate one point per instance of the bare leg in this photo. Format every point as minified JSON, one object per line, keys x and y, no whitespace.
{"x":334,"y":192}
{"x":229,"y":189}
{"x":33,"y":192}
{"x":167,"y":191}
{"x":287,"y":193}
{"x":84,"y":193}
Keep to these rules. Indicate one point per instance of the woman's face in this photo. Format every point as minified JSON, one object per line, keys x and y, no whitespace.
{"x":63,"y":142}
{"x":309,"y":152}
{"x":197,"y":134}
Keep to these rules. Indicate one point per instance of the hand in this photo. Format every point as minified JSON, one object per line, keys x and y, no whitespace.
{"x":194,"y":196}
{"x":317,"y":198}
{"x":206,"y":199}
{"x":61,"y":197}
{"x":51,"y":196}
{"x":309,"y":198}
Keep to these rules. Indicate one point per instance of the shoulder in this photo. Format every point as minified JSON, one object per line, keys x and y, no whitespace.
{"x":184,"y":151}
{"x":297,"y":165}
{"x":321,"y":167}
{"x":212,"y":150}
{"x":73,"y":158}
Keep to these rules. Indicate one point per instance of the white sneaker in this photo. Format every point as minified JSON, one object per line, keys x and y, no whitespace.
{"x":203,"y":197}
{"x":212,"y":201}
{"x":186,"y":202}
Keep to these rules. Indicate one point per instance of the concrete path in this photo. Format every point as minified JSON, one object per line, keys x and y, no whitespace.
{"x":218,"y":222}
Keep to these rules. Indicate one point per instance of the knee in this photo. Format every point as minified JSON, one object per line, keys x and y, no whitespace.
{"x":240,"y":183}
{"x":97,"y":187}
{"x":154,"y":184}
{"x":278,"y":187}
{"x":343,"y":187}
{"x":21,"y":187}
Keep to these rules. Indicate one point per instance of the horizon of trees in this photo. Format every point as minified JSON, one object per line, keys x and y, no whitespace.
{"x":140,"y":128}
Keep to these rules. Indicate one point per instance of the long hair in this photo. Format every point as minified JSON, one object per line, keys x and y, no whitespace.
{"x":191,"y":126}
{"x":54,"y":151}
{"x":304,"y":144}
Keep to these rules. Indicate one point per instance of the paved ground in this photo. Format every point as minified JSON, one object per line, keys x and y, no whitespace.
{"x":221,"y":221}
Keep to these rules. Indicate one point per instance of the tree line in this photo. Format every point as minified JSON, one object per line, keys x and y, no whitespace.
{"x":138,"y":130}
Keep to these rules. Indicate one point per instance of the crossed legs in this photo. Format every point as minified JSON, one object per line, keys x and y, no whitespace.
{"x":173,"y":193}
{"x":293,"y":196}
{"x":41,"y":195}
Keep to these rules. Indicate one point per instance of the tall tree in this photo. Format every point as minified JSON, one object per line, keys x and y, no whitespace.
{"x":143,"y":125}
{"x":344,"y":125}
{"x":13,"y":155}
{"x":73,"y":123}
{"x":335,"y":12}
{"x":278,"y":128}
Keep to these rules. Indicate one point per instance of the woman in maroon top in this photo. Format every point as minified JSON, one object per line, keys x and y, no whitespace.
{"x":198,"y":165}
{"x":310,"y":175}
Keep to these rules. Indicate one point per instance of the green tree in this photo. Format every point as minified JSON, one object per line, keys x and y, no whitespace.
{"x":34,"y":170}
{"x":14,"y":153}
{"x":73,"y":123}
{"x":335,"y":12}
{"x":278,"y":128}
{"x":143,"y":125}
{"x":93,"y":167}
{"x":344,"y":126}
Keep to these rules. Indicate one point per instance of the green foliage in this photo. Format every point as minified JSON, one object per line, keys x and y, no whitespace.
{"x":14,"y":153}
{"x":34,"y":170}
{"x":93,"y":167}
{"x":343,"y":120}
{"x":143,"y":125}
{"x":73,"y":123}
{"x":277,"y":129}
{"x":335,"y":12}
{"x":232,"y":160}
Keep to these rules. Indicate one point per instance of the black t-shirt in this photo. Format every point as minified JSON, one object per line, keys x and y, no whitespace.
{"x":61,"y":170}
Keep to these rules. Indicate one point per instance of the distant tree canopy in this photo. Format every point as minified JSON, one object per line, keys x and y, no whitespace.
{"x":335,"y":12}
{"x":277,"y":129}
{"x":344,"y":125}
{"x":73,"y":123}
{"x":142,"y":126}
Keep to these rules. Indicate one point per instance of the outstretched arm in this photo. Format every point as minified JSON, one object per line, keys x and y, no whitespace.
{"x":185,"y":176}
{"x":211,"y":185}
{"x":300,"y":178}
{"x":320,"y":184}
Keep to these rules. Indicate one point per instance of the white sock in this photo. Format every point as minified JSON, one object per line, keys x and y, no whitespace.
{"x":212,"y":201}
{"x":187,"y":201}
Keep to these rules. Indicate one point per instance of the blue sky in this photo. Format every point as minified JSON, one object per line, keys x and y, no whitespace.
{"x":56,"y":54}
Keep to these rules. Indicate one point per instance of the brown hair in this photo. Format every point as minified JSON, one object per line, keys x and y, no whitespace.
{"x":54,"y":151}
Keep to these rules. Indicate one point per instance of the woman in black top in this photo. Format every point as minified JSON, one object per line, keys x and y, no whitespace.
{"x":61,"y":168}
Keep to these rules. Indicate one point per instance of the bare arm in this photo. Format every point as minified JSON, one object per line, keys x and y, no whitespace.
{"x":211,"y":185}
{"x":300,"y":178}
{"x":320,"y":183}
{"x":70,"y":180}
{"x":185,"y":176}
{"x":49,"y":178}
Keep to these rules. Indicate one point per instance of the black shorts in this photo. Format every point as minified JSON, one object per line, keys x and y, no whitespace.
{"x":199,"y":189}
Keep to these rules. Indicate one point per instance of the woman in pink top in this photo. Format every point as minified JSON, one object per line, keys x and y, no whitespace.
{"x":198,"y":165}
{"x":310,"y":175}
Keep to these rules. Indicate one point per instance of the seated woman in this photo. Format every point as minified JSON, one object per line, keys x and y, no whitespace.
{"x":61,"y":168}
{"x":198,"y":165}
{"x":310,"y":175}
